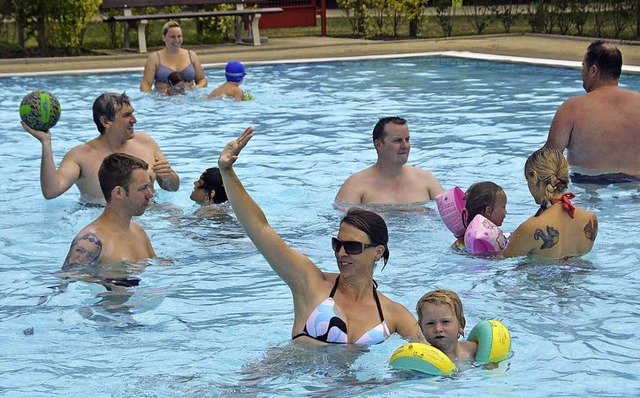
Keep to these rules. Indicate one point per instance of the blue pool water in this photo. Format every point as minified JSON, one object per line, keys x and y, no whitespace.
{"x":210,"y":318}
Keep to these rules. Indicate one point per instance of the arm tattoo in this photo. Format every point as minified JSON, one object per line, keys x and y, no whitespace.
{"x":549,"y":240}
{"x":591,"y":230}
{"x":85,"y":250}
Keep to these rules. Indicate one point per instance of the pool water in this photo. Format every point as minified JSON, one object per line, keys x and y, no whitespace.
{"x":210,"y":318}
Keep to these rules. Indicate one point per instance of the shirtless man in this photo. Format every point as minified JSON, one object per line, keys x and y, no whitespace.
{"x":390,"y":180}
{"x":113,"y":116}
{"x":113,"y":237}
{"x":600,"y":129}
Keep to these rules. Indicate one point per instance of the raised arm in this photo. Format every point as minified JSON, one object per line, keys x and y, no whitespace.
{"x":54,"y":182}
{"x":293,"y":267}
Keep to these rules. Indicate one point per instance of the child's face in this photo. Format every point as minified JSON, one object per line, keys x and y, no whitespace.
{"x":499,"y":210}
{"x":440,"y":326}
{"x":199,"y":194}
{"x":176,"y":89}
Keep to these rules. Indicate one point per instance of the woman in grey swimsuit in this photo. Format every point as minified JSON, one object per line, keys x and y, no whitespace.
{"x":170,"y":59}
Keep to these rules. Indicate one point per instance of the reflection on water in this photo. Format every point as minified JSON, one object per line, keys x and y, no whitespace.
{"x":210,"y":318}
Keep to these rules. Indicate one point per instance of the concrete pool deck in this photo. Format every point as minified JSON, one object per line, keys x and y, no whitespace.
{"x":546,"y":49}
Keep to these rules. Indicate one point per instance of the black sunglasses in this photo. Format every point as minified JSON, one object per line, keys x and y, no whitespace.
{"x":350,"y":246}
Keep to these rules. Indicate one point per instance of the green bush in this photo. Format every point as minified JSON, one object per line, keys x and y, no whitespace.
{"x":59,"y":24}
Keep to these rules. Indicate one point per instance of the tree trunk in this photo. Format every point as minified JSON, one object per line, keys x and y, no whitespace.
{"x":413,"y":27}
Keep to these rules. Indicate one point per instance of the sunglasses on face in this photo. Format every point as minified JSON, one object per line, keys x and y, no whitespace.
{"x":350,"y":246}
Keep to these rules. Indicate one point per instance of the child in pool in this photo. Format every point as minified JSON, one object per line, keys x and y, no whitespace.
{"x":177,"y":84}
{"x":441,"y":319}
{"x":209,"y":189}
{"x":487,"y":199}
{"x":234,"y":73}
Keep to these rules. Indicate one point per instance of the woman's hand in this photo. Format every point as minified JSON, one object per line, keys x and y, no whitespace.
{"x":230,"y":153}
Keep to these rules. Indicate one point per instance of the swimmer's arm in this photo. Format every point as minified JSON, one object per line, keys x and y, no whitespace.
{"x":86,"y":249}
{"x":295,"y":269}
{"x":149,"y":73}
{"x":561,"y":127}
{"x":238,"y":94}
{"x":434,"y":186}
{"x":150,"y":252}
{"x":167,"y":178}
{"x":54,"y":182}
{"x":521,"y":242}
{"x":350,"y":191}
{"x":408,"y":326}
{"x":201,"y":79}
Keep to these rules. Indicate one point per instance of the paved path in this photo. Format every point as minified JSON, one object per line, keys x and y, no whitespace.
{"x":551,"y":47}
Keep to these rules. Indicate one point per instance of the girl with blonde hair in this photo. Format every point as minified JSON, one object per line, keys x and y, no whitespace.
{"x":441,"y":319}
{"x":558,"y":229}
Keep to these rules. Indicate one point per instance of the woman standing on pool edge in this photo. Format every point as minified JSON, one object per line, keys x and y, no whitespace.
{"x":172,"y":58}
{"x":558,"y":229}
{"x":328,"y":307}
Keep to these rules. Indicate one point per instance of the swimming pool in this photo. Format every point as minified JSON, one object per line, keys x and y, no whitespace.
{"x":217,"y":321}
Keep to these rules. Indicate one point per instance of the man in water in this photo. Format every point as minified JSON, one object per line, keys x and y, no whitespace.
{"x":390,"y":180}
{"x":600,"y":129}
{"x":113,"y":116}
{"x":113,"y":237}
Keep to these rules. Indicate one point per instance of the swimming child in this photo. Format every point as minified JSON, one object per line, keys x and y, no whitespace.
{"x":209,"y":189}
{"x":234,"y":72}
{"x":441,"y":319}
{"x":177,"y":84}
{"x":487,"y":199}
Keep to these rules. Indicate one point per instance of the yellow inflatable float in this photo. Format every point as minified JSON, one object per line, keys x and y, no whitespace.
{"x":494,"y":345}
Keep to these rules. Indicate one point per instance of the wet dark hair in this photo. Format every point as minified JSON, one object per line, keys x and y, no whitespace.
{"x":212,"y":181}
{"x":606,"y":57}
{"x":107,"y":105}
{"x":371,"y":224}
{"x":117,"y":170}
{"x":479,"y":196}
{"x":175,"y":78}
{"x":378,"y":130}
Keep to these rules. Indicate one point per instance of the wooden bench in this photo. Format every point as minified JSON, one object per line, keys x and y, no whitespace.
{"x":132,"y":21}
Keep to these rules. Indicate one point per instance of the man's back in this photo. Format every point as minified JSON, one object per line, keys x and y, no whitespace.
{"x":601,"y":131}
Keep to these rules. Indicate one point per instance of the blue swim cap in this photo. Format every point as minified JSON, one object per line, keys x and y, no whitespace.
{"x":234,"y":71}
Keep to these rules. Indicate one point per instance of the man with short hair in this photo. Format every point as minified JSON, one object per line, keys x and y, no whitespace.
{"x":600,"y":129}
{"x":113,"y":116}
{"x":390,"y":180}
{"x":113,"y":237}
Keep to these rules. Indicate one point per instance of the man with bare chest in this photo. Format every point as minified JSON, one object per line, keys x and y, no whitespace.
{"x":113,"y":116}
{"x":390,"y":180}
